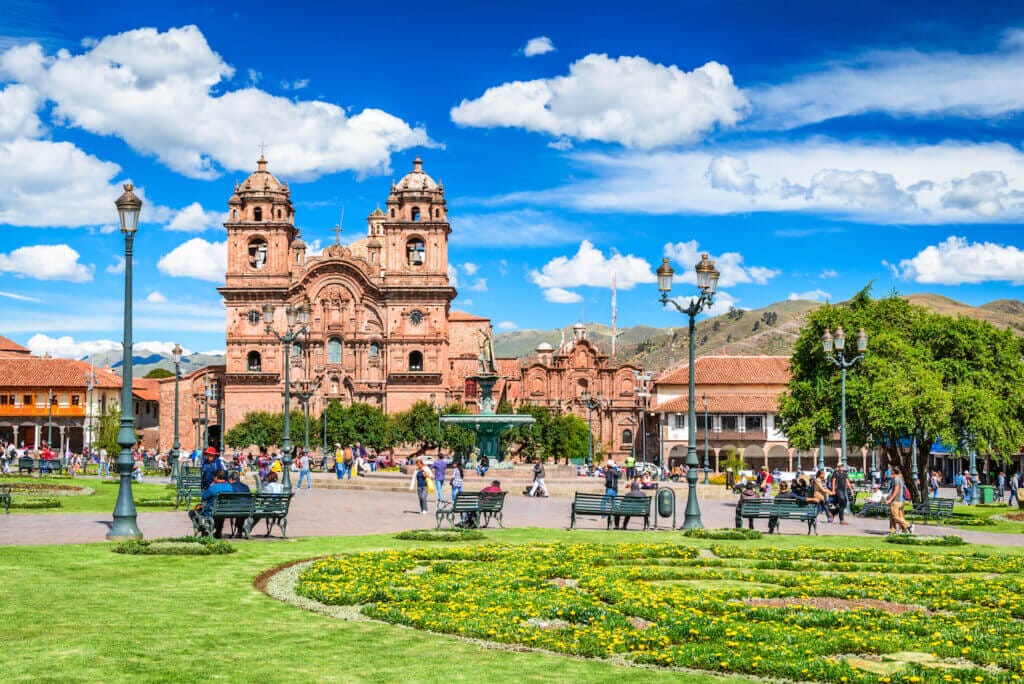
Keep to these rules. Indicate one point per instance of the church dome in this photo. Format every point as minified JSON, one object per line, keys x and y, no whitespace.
{"x":416,"y":180}
{"x":544,"y":347}
{"x":262,"y":180}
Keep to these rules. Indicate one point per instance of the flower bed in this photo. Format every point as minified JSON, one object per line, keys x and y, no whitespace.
{"x":48,"y":502}
{"x":175,"y":546}
{"x":45,"y":487}
{"x":831,"y":615}
{"x":915,"y":540}
{"x":723,"y":533}
{"x":440,"y":535}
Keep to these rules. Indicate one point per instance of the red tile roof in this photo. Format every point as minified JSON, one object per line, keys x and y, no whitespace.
{"x":35,"y":371}
{"x":463,"y":316}
{"x":732,"y":370}
{"x":760,"y":402}
{"x":9,"y":346}
{"x":146,"y":389}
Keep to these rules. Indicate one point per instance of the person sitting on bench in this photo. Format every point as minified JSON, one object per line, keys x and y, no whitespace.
{"x":635,"y":490}
{"x":748,"y":493}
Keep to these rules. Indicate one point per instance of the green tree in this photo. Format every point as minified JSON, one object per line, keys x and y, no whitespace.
{"x":459,"y":440}
{"x":925,"y":376}
{"x":417,"y":426}
{"x":356,"y":423}
{"x":258,"y":427}
{"x":566,"y":437}
{"x":530,"y":438}
{"x":158,"y":374}
{"x":107,"y":427}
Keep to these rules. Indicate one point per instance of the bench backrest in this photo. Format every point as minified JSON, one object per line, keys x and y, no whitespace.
{"x":492,"y":501}
{"x":757,"y":506}
{"x":271,"y":504}
{"x":25,"y":462}
{"x":790,"y":506}
{"x":232,"y":503}
{"x":592,"y":504}
{"x":466,"y":502}
{"x":938,"y":505}
{"x":632,"y":505}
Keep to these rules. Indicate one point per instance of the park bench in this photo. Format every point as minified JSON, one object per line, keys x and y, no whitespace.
{"x":940,"y":509}
{"x":609,"y":506}
{"x":477,"y":508}
{"x":189,"y":487}
{"x":272,"y":509}
{"x":247,"y":508}
{"x":781,"y":509}
{"x":25,"y":465}
{"x":5,"y":498}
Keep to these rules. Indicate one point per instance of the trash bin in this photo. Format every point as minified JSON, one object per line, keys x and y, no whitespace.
{"x":987,"y":494}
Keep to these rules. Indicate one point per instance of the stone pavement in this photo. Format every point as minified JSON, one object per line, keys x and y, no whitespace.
{"x":325,"y":512}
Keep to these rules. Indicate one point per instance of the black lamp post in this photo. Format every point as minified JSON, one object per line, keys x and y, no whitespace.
{"x":176,"y":449}
{"x":125,"y":525}
{"x":591,"y":403}
{"x":707,"y":467}
{"x":838,"y":341}
{"x":306,"y":389}
{"x":91,"y":380}
{"x":296,"y":317}
{"x":50,"y":396}
{"x":707,"y":282}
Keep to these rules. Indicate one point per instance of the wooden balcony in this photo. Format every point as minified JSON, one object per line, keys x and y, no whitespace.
{"x":734,"y":435}
{"x":35,"y":411}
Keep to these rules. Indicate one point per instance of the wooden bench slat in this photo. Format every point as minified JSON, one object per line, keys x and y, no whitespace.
{"x":610,"y":507}
{"x":485,"y":505}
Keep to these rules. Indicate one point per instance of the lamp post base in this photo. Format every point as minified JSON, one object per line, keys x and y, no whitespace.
{"x":124,"y":529}
{"x":692,"y":520}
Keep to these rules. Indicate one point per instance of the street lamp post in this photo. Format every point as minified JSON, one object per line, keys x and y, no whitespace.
{"x":125,"y":524}
{"x":828,"y":341}
{"x":591,"y":403}
{"x":707,"y":282}
{"x":704,"y":398}
{"x":306,"y":390}
{"x":223,"y":414}
{"x":91,"y":380}
{"x":176,"y":449}
{"x":50,"y":396}
{"x":296,"y":317}
{"x":643,"y":394}
{"x":208,"y":395}
{"x":437,"y":409}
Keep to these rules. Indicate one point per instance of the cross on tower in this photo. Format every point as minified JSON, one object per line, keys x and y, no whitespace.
{"x":261,"y":149}
{"x":339,"y":228}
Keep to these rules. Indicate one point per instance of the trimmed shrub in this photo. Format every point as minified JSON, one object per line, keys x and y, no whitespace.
{"x":440,"y":535}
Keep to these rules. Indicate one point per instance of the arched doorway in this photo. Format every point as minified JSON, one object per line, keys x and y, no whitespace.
{"x":778,"y":457}
{"x":754,"y":456}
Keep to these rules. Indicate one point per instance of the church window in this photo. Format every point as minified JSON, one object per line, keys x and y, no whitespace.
{"x":415,"y":213}
{"x":257,"y":253}
{"x":415,"y":361}
{"x":334,"y":385}
{"x":470,"y":389}
{"x":334,"y":350}
{"x":374,"y":350}
{"x":414,"y":252}
{"x":253,"y":317}
{"x":627,"y":436}
{"x":278,"y":213}
{"x":257,"y":214}
{"x":234,"y":213}
{"x":581,"y":386}
{"x":437,"y":212}
{"x":392,"y":213}
{"x":254,"y":362}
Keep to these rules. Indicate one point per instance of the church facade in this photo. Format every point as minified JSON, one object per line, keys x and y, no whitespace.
{"x":381,"y":329}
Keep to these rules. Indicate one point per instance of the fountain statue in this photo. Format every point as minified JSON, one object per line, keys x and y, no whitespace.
{"x":487,"y":424}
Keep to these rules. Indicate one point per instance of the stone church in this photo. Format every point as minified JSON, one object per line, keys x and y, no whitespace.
{"x":381,"y":328}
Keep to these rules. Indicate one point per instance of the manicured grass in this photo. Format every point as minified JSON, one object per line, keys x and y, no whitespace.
{"x":988,"y":512}
{"x":102,"y":501}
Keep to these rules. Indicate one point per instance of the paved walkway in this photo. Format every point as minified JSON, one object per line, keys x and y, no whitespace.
{"x":321,"y":512}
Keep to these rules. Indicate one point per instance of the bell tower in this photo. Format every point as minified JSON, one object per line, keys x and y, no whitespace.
{"x":415,"y":229}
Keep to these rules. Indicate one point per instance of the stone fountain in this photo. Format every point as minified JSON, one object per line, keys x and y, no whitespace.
{"x":487,"y":424}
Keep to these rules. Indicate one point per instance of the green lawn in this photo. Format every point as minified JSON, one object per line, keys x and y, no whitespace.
{"x":101,"y":501}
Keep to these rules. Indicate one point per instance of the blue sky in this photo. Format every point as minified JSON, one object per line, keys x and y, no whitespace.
{"x":809,"y":148}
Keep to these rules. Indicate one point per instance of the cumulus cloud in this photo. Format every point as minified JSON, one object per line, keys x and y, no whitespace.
{"x":815,"y":295}
{"x":195,"y":219}
{"x":172,"y":103}
{"x":470,"y":268}
{"x":955,"y":261}
{"x":590,"y":267}
{"x":18,"y":116}
{"x":949,"y":182}
{"x":118,"y":265}
{"x":69,"y":348}
{"x":541,"y":45}
{"x":196,"y":258}
{"x":730,"y":264}
{"x":898,"y":82}
{"x":523,"y":228}
{"x":453,"y":275}
{"x":828,"y":273}
{"x":46,"y":262}
{"x":479,"y":285}
{"x":155,"y":297}
{"x":558,"y":295}
{"x":507,"y":325}
{"x":625,"y":100}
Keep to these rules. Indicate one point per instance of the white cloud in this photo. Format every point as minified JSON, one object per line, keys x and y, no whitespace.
{"x":297,"y":84}
{"x":18,"y":116}
{"x":195,"y":219}
{"x":730,"y":173}
{"x":56,"y":184}
{"x":558,"y":295}
{"x":453,"y":275}
{"x":562,"y":144}
{"x":196,"y":258}
{"x":465,"y":302}
{"x":901,"y":83}
{"x":156,"y":298}
{"x":521,"y":228}
{"x":627,"y":100}
{"x":69,"y":348}
{"x":46,"y":262}
{"x":723,"y":302}
{"x":254,"y":76}
{"x":541,"y":45}
{"x":507,"y":325}
{"x":503,"y":267}
{"x":955,"y":261}
{"x":828,"y":273}
{"x":19,"y":297}
{"x":117,"y":266}
{"x":590,"y":267}
{"x":171,"y":102}
{"x":470,"y":268}
{"x":480,"y":285}
{"x":949,"y":182}
{"x":733,"y":271}
{"x":815,"y":295}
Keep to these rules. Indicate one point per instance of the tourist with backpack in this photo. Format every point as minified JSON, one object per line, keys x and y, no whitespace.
{"x":897,"y":497}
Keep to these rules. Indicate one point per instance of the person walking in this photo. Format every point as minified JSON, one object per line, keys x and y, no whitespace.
{"x":611,"y":482}
{"x":968,"y":487}
{"x":630,"y":468}
{"x":440,"y":468}
{"x":1014,"y":484}
{"x":457,"y":479}
{"x":1000,"y":485}
{"x":305,"y":472}
{"x":896,"y":499}
{"x":821,"y":494}
{"x":104,"y":463}
{"x":933,"y":484}
{"x":538,"y":479}
{"x":423,"y":483}
{"x":841,"y":489}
